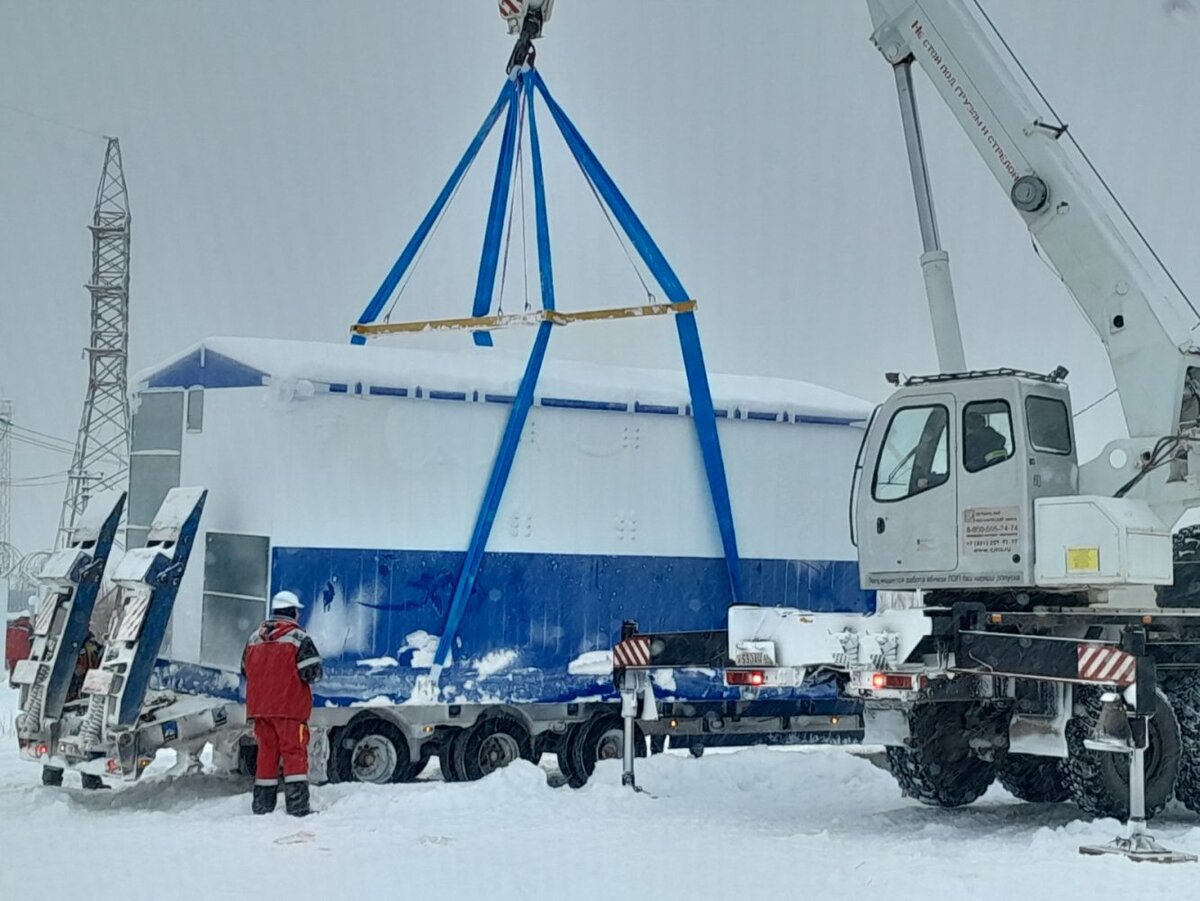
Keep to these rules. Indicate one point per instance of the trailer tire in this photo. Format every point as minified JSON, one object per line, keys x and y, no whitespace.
{"x":1099,"y":780}
{"x":446,"y":756}
{"x":937,"y":766}
{"x":1183,"y":691}
{"x":371,"y":750}
{"x":566,"y":755}
{"x":491,"y":744}
{"x":1038,"y":780}
{"x":602,"y":738}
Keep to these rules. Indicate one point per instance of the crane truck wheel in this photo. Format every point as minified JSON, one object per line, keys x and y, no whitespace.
{"x":371,"y":749}
{"x":1184,"y":692}
{"x":937,"y":766}
{"x":1038,"y":780}
{"x":492,"y":743}
{"x":1099,"y":780}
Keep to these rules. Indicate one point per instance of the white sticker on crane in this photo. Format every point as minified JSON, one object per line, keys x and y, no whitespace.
{"x":991,"y":530}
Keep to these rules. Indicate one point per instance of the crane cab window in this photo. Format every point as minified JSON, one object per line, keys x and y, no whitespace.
{"x":915,"y":455}
{"x":1049,"y":424}
{"x":987,"y":434}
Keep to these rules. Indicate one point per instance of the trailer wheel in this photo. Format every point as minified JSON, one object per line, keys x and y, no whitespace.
{"x":247,"y":761}
{"x":602,"y":738}
{"x":447,"y":754}
{"x":566,"y":755}
{"x":937,"y":767}
{"x":1099,"y":780}
{"x":372,"y":750}
{"x":1184,"y":693}
{"x":1038,"y":780}
{"x":491,"y":744}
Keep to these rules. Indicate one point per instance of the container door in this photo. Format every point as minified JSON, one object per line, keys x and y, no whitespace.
{"x":908,"y":510}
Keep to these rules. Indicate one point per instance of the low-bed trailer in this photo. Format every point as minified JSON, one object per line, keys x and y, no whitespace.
{"x":349,"y":475}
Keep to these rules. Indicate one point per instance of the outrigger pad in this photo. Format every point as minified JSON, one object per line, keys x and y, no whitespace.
{"x":1139,"y":848}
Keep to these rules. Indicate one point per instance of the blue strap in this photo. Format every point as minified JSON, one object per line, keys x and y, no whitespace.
{"x":685,"y":323}
{"x":501,"y":468}
{"x":375,"y":307}
{"x":492,"y":235}
{"x":545,"y":270}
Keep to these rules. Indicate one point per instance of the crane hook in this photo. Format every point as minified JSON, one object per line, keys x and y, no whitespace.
{"x":524,"y":53}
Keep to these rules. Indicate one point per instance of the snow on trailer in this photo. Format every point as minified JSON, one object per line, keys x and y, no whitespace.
{"x":352,"y":476}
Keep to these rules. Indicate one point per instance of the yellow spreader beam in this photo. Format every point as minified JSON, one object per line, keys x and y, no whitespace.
{"x":508,"y":320}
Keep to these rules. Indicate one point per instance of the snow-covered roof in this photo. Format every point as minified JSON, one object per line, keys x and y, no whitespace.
{"x":487,"y":374}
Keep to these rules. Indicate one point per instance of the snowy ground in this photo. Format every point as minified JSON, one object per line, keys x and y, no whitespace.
{"x":810,"y":824}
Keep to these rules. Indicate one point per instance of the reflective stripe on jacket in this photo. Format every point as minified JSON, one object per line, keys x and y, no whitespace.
{"x":279,"y":662}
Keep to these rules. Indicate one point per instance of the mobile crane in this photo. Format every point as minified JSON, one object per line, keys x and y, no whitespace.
{"x":1050,"y":596}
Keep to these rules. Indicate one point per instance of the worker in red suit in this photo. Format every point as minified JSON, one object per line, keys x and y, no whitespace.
{"x":18,"y":641}
{"x":280,"y":663}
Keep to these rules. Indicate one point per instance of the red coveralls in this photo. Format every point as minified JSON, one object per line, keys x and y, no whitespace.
{"x":278,"y":699}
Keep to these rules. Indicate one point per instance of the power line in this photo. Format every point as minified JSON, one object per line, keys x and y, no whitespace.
{"x":43,"y":445}
{"x":49,"y":121}
{"x":48,"y":437}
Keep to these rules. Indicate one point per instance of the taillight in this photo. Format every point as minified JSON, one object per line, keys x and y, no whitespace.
{"x":899,"y":681}
{"x":744,"y":677}
{"x":112,"y":765}
{"x":42,"y":750}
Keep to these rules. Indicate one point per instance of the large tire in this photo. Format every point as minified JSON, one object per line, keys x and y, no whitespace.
{"x":602,"y":738}
{"x":1036,"y":779}
{"x":1099,"y":780}
{"x":1184,"y":693}
{"x":937,"y":766}
{"x":371,"y":750}
{"x":491,"y":744}
{"x":567,"y":749}
{"x":447,"y":755}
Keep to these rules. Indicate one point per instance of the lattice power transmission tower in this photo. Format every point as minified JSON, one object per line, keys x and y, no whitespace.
{"x":6,"y":415}
{"x":101,"y":458}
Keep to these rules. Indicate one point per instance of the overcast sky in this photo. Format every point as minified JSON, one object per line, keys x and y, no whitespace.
{"x":279,"y":154}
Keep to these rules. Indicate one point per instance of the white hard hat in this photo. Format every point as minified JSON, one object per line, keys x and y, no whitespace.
{"x":285,"y":600}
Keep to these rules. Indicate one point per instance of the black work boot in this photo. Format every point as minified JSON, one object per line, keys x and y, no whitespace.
{"x":295,"y":796}
{"x":264,"y":798}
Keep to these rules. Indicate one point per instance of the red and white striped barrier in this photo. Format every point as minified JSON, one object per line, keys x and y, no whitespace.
{"x":1104,"y":663}
{"x":633,"y":651}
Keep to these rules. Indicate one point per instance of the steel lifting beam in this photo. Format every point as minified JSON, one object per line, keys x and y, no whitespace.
{"x":533,"y":317}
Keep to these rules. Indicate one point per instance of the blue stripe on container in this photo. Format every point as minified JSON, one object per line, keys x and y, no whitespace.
{"x":826,"y":420}
{"x":584,"y":404}
{"x":388,"y":392}
{"x":655,"y":408}
{"x":338,"y":388}
{"x":447,"y":395}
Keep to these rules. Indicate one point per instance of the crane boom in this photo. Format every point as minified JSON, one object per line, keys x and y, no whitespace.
{"x":1148,"y":329}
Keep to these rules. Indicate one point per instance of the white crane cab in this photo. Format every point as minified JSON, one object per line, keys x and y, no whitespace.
{"x":970,"y":482}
